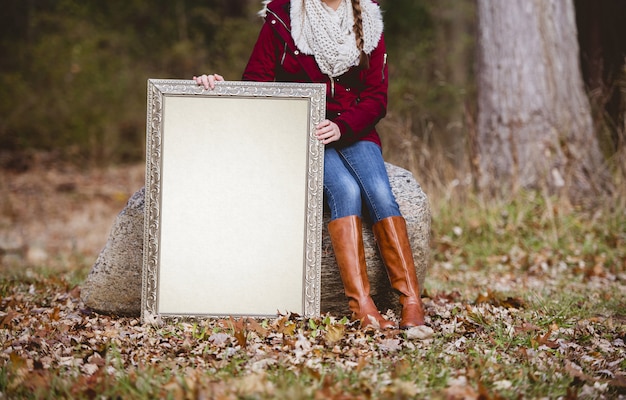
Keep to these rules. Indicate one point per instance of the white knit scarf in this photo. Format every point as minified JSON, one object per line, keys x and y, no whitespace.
{"x":327,"y":34}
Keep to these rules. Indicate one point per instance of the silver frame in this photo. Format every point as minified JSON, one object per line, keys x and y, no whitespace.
{"x":173,"y":106}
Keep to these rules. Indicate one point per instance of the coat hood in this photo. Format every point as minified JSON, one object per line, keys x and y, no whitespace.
{"x":263,"y":12}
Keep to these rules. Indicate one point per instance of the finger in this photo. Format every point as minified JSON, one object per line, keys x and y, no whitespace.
{"x":202,"y":81}
{"x":210,"y":82}
{"x":212,"y":78}
{"x":327,"y":137}
{"x":323,"y":134}
{"x":323,"y":124}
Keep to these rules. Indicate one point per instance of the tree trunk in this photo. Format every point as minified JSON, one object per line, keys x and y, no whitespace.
{"x":534,"y":121}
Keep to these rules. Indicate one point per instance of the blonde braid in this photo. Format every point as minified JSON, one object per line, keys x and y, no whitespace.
{"x":358,"y":33}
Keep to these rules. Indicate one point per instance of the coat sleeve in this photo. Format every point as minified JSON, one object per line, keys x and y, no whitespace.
{"x":262,"y":63}
{"x":371,"y":106}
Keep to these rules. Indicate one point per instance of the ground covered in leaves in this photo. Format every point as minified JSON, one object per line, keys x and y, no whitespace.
{"x":489,"y":347}
{"x":508,"y":319}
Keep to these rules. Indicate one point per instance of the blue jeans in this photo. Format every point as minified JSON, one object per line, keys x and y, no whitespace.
{"x":355,"y":176}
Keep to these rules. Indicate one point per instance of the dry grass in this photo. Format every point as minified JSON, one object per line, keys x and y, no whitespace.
{"x":445,"y":172}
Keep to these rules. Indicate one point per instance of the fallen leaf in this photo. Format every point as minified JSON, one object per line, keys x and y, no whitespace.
{"x":256,"y":327}
{"x":254,"y":385}
{"x":391,"y":345}
{"x":461,"y":392}
{"x":618,"y":382}
{"x":498,"y":300}
{"x":576,"y":372}
{"x":89,"y":369}
{"x":334,"y":333}
{"x":527,"y":327}
{"x":6,"y":321}
{"x":401,"y":368}
{"x":545,"y":340}
{"x":240,"y":332}
{"x":421,"y":332}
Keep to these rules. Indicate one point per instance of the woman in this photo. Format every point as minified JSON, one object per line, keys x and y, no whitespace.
{"x":340,"y":43}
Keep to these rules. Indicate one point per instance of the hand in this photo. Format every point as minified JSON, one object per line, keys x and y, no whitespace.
{"x":327,"y":132}
{"x":208,"y":81}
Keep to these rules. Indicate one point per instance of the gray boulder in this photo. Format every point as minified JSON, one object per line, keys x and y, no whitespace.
{"x":113,"y":285}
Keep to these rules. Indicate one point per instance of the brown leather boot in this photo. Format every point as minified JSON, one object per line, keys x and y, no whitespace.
{"x":347,"y":238}
{"x":395,"y":250}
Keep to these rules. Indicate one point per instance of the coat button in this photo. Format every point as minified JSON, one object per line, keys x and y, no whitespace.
{"x":347,"y":89}
{"x":273,"y":22}
{"x":296,"y":52}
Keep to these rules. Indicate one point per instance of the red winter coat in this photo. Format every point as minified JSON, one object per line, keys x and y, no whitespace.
{"x":355,"y":101}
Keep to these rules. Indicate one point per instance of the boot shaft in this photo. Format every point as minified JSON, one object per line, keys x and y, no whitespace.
{"x":395,"y":250}
{"x":346,"y":235}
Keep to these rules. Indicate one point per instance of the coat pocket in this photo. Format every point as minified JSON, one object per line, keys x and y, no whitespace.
{"x":289,"y":62}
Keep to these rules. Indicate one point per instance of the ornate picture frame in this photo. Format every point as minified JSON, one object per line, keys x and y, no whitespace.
{"x":233,"y":206}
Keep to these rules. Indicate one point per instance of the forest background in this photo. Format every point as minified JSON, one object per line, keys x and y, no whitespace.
{"x":73,"y":75}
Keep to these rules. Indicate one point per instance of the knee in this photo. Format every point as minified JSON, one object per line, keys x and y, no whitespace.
{"x":380,"y":192}
{"x":344,"y":193}
{"x":350,"y":192}
{"x":382,"y":204}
